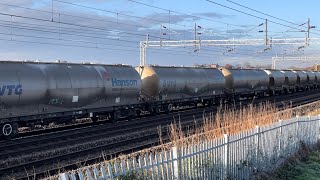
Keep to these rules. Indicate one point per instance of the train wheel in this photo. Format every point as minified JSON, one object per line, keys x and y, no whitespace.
{"x":195,"y":105}
{"x":138,"y":113}
{"x":170,"y":107}
{"x":94,"y":119}
{"x":114,"y":117}
{"x":155,"y":110}
{"x":9,"y":130}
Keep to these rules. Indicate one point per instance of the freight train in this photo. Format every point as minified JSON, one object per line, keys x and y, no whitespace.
{"x":40,"y":93}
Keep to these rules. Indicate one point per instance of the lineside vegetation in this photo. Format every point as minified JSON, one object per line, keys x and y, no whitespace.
{"x":232,"y":120}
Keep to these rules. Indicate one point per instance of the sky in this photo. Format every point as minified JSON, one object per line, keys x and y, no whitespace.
{"x":110,"y":31}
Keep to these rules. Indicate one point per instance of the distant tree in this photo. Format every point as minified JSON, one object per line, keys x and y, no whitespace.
{"x":247,"y":65}
{"x":268,"y":66}
{"x":238,"y":66}
{"x":262,"y":66}
{"x":293,"y":67}
{"x":203,"y":65}
{"x":228,"y":66}
{"x":308,"y":68}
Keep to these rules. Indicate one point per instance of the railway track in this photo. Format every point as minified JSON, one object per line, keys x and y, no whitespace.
{"x":111,"y":139}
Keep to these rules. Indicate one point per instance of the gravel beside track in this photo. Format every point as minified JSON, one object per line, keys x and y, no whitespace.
{"x":42,"y":154}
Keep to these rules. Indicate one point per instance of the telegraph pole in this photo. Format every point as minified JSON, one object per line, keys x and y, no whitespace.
{"x":195,"y":34}
{"x":309,"y":27}
{"x":266,"y":32}
{"x":308,"y":33}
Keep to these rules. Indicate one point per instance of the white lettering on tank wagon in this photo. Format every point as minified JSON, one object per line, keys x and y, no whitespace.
{"x":75,"y":99}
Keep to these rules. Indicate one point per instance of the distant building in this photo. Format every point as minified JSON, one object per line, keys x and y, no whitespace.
{"x":214,"y":65}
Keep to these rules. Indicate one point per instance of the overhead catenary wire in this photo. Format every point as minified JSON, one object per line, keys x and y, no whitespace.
{"x":168,"y":10}
{"x":89,"y":27}
{"x":95,"y":19}
{"x":56,"y":32}
{"x":293,"y":23}
{"x":70,"y":15}
{"x":249,"y":14}
{"x":90,"y":18}
{"x":78,"y":16}
{"x":156,"y":7}
{"x":189,"y":15}
{"x":263,"y":13}
{"x":79,"y":41}
{"x":108,"y":11}
{"x":72,"y":33}
{"x":65,"y":33}
{"x":95,"y":47}
{"x":19,"y":27}
{"x":71,"y":24}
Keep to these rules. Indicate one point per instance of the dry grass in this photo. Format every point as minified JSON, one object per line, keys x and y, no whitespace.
{"x":232,"y":120}
{"x":227,"y":120}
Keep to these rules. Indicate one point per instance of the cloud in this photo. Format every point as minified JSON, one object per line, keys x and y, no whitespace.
{"x":214,"y":15}
{"x":154,"y":19}
{"x":113,"y":34}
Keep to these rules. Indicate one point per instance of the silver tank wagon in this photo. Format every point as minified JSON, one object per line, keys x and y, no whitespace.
{"x":277,"y":79}
{"x":161,"y":83}
{"x":302,"y":78}
{"x":312,"y":77}
{"x":318,"y":76}
{"x":245,"y":80}
{"x":30,"y":88}
{"x":291,"y":78}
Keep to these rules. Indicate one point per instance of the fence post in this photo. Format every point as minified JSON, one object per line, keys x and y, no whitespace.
{"x":95,"y":172}
{"x":103,"y":171}
{"x":280,"y":138}
{"x":175,"y":163}
{"x":297,"y":133}
{"x":226,"y":155}
{"x":88,"y":174}
{"x":63,"y":176}
{"x":257,"y":141}
{"x":309,"y":130}
{"x":110,"y":171}
{"x":318,"y":126}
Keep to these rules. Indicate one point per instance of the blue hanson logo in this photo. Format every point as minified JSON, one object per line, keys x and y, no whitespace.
{"x":10,"y":90}
{"x":118,"y":82}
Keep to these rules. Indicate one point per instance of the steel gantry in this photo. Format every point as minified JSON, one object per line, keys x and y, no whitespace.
{"x":302,"y":42}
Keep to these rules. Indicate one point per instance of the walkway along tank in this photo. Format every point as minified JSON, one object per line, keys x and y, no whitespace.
{"x":36,"y":92}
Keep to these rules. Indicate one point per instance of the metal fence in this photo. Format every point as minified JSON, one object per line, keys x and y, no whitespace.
{"x":238,"y":156}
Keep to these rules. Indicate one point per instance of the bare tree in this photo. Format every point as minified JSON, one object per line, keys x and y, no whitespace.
{"x":228,"y":66}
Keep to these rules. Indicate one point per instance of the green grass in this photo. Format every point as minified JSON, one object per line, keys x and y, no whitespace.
{"x":306,"y":169}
